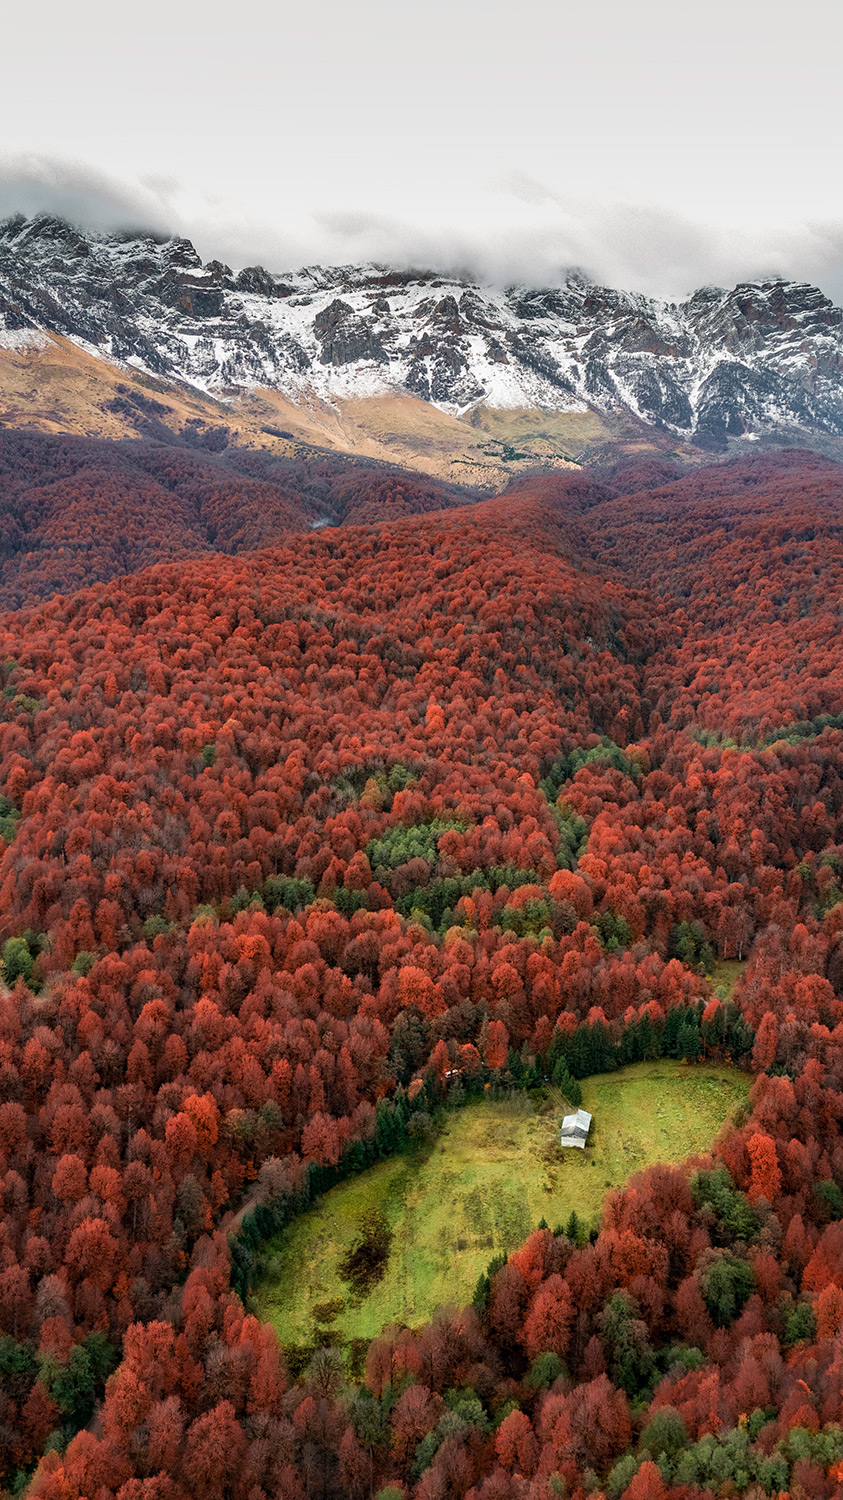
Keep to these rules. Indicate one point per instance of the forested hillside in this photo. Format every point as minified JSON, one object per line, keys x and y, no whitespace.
{"x":298,"y":842}
{"x":77,"y":511}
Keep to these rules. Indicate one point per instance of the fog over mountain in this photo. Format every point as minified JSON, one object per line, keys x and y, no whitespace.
{"x":657,"y":149}
{"x":515,"y":229}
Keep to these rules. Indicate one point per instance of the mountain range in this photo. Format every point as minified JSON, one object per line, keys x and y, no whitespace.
{"x":721,"y":368}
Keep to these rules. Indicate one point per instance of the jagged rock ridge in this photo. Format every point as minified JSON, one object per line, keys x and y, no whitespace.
{"x":765,"y":357}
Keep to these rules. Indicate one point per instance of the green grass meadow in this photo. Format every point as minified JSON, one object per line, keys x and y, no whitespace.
{"x":494,"y":1170}
{"x":725,"y":975}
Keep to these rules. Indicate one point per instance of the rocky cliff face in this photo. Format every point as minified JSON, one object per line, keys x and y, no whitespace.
{"x":765,"y":357}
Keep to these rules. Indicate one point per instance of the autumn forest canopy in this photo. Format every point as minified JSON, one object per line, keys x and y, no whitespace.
{"x":307,"y":835}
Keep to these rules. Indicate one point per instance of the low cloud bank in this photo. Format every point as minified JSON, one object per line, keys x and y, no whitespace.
{"x":510,"y":229}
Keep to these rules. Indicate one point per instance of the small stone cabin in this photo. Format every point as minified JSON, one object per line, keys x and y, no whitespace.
{"x":575,"y":1129}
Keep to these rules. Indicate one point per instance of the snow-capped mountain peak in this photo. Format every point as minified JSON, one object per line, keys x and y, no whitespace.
{"x":763,"y":357}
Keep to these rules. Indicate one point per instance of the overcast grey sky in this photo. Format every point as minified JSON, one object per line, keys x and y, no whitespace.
{"x":657,"y":144}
